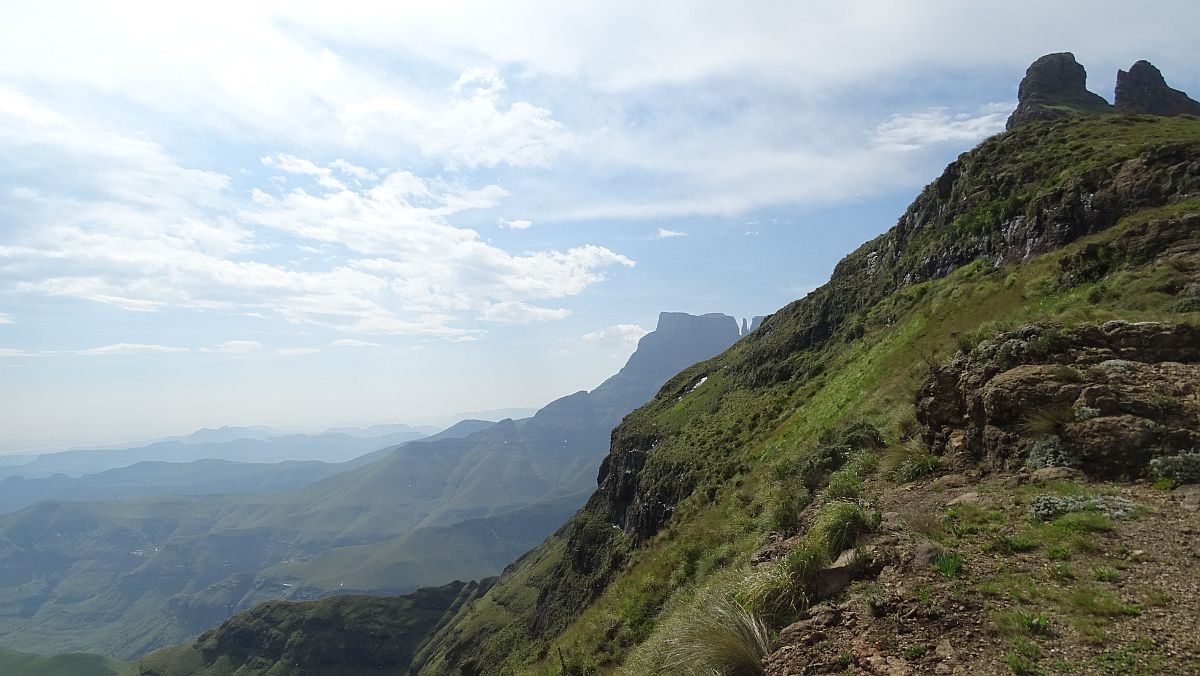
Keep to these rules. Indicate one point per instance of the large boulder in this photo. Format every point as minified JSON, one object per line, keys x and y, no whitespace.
{"x":1054,"y":86}
{"x":1105,"y":399}
{"x":1143,"y":90}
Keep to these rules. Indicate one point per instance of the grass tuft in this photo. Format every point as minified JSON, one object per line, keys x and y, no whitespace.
{"x":715,"y":636}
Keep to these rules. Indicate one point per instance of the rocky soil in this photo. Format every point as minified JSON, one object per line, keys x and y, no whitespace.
{"x":913,"y":618}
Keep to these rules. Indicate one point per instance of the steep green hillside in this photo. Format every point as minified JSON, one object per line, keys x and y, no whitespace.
{"x":724,"y":499}
{"x":1002,"y":238}
{"x":13,"y":663}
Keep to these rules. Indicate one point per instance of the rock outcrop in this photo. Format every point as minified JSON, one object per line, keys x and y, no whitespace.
{"x":1105,"y":399}
{"x":1054,"y":86}
{"x":1143,"y":90}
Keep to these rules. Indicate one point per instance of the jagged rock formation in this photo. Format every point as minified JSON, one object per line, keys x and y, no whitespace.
{"x":1143,"y":90}
{"x":1104,"y":399}
{"x":1054,"y":86}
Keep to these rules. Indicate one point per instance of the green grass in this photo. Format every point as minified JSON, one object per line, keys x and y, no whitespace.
{"x":1022,"y":623}
{"x":949,"y":565}
{"x":13,"y":663}
{"x":857,"y":350}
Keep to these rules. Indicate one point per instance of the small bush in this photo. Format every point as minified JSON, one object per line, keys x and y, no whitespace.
{"x":949,"y":565}
{"x":1105,"y":574}
{"x":839,"y":524}
{"x":1182,"y":469}
{"x":715,"y":636}
{"x":1022,"y":623}
{"x":786,"y":506}
{"x":1050,"y":451}
{"x":1047,"y":507}
{"x":1066,"y":374}
{"x":915,"y":652}
{"x":1063,"y":570}
{"x":909,"y":461}
{"x":1046,"y":421}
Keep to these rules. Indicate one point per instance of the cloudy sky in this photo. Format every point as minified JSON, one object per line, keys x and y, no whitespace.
{"x":306,"y":214}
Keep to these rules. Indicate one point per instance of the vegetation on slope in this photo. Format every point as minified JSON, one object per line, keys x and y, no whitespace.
{"x":688,"y":485}
{"x":747,"y":475}
{"x":13,"y":663}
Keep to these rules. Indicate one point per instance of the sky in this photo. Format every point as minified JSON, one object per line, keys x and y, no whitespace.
{"x":308,"y":214}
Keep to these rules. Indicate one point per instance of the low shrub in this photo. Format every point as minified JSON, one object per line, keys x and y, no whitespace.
{"x":1049,"y":451}
{"x":1181,"y":469}
{"x":1046,"y":507}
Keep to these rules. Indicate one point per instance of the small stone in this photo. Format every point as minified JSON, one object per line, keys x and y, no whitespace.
{"x":944,"y":650}
{"x":966,"y":498}
{"x":924,"y":554}
{"x":949,"y":481}
{"x":1057,"y":474}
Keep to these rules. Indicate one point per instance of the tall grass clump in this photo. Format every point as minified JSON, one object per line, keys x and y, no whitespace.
{"x":712,"y":636}
{"x":782,"y":589}
{"x":908,"y":461}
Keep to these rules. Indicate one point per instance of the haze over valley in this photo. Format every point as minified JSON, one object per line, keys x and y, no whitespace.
{"x":599,"y":339}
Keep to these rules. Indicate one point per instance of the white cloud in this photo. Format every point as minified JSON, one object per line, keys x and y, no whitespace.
{"x":912,"y":131}
{"x":621,"y":337}
{"x":129,"y":348}
{"x":103,"y":350}
{"x":296,"y":351}
{"x":238,"y":347}
{"x":516,"y":312}
{"x":137,"y":230}
{"x":353,"y":342}
{"x":664,"y":233}
{"x":515,"y":224}
{"x":5,"y":319}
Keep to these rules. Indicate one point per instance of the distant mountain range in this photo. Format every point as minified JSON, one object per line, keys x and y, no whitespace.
{"x":123,"y":577}
{"x":236,"y":444}
{"x":204,"y":477}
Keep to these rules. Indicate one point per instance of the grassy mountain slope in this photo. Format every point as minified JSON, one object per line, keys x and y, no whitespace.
{"x":124,"y":577}
{"x":13,"y":663}
{"x":774,"y":445}
{"x":688,"y":482}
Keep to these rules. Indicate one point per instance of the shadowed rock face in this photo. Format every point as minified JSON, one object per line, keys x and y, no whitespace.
{"x":1143,"y":90}
{"x":1054,"y":86}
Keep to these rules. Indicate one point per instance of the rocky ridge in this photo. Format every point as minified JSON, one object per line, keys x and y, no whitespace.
{"x":1142,"y":90}
{"x":1055,"y":86}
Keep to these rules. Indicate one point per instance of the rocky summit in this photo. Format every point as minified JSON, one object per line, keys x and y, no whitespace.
{"x":1054,"y":86}
{"x":1143,"y":90}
